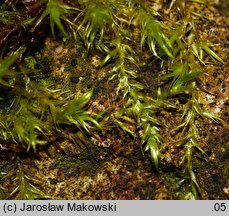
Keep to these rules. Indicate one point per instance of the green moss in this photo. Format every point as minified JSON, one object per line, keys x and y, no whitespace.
{"x":87,"y":161}
{"x":30,"y":62}
{"x":126,"y":36}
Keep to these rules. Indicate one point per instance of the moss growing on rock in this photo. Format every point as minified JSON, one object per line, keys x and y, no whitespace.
{"x":112,"y":77}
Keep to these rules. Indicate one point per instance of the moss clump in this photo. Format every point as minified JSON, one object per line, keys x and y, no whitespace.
{"x":86,"y":162}
{"x":44,"y":97}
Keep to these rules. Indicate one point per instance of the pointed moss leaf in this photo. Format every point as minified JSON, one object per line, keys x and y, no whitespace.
{"x":191,"y":75}
{"x":109,"y":56}
{"x":132,"y":73}
{"x":152,"y":46}
{"x":152,"y":119}
{"x":77,"y":104}
{"x":152,"y":146}
{"x":80,"y":122}
{"x":136,"y":109}
{"x":124,"y":127}
{"x":199,"y":1}
{"x":194,"y":142}
{"x":210,"y":52}
{"x":55,"y":16}
{"x":26,"y":190}
{"x":84,"y":117}
{"x":188,"y":156}
{"x":55,"y":10}
{"x":2,"y":194}
{"x":152,"y":29}
{"x":176,"y":72}
{"x":9,"y":60}
{"x":143,"y":39}
{"x":165,"y":44}
{"x":197,"y":52}
{"x":181,"y":77}
{"x":211,"y":116}
{"x":97,"y":16}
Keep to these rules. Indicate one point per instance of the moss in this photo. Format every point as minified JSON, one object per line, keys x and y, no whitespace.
{"x":88,"y":161}
{"x":31,"y":62}
{"x":124,"y":66}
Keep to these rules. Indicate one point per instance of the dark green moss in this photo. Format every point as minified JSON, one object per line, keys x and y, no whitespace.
{"x":143,"y":67}
{"x":88,"y":161}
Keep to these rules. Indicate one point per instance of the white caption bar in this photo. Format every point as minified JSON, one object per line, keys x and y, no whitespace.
{"x":119,"y":208}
